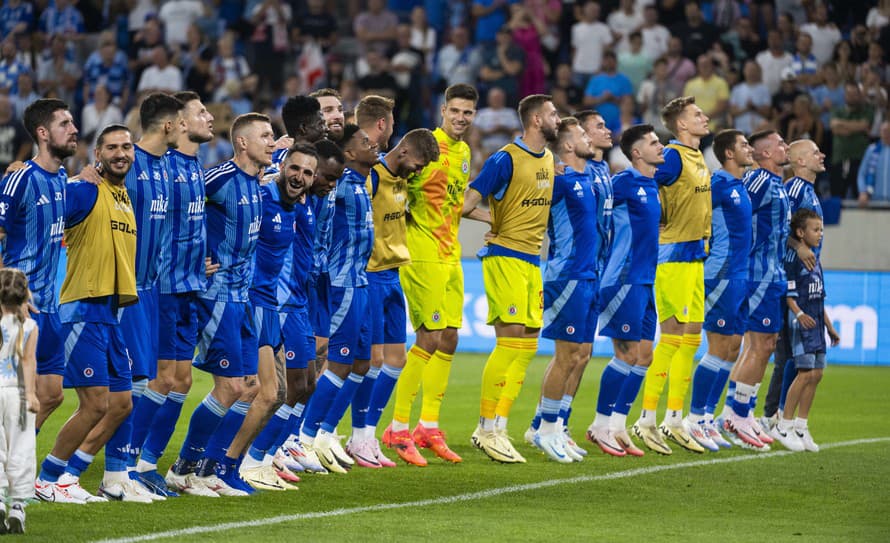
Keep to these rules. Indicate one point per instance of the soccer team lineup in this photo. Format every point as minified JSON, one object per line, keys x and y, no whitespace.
{"x":290,"y":273}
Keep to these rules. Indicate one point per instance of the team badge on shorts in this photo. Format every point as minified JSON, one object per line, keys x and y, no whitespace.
{"x":344,"y":351}
{"x":625,"y":328}
{"x":88,"y":372}
{"x":570,"y":330}
{"x":766,"y":321}
{"x":721,"y":323}
{"x":224,"y":363}
{"x":436,"y":316}
{"x":512,"y":309}
{"x":290,"y":355}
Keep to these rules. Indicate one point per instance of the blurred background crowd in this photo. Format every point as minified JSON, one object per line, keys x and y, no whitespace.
{"x":811,"y":69}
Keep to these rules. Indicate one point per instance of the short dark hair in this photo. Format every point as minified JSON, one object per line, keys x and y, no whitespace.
{"x":349,"y":130}
{"x":297,"y":111}
{"x":422,"y":141}
{"x":186,"y":96}
{"x":672,"y":111}
{"x":463,"y":91}
{"x":41,"y":113}
{"x":530,"y":105}
{"x":100,"y":139}
{"x":565,"y":126}
{"x":303,"y":149}
{"x":372,"y":107}
{"x":325,"y":92}
{"x":631,"y":136}
{"x":327,"y":150}
{"x":800,"y":218}
{"x":241,"y":122}
{"x":586,"y":114}
{"x":725,"y":141}
{"x":760,"y":135}
{"x":156,"y":107}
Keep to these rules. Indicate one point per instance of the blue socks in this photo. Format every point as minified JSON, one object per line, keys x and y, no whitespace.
{"x":78,"y":463}
{"x":231,"y":422}
{"x":703,"y":379}
{"x":718,"y":386}
{"x":204,"y":422}
{"x":161,"y":429}
{"x":117,"y":449}
{"x":630,"y":389}
{"x":565,"y":408}
{"x":326,"y":389}
{"x":144,"y":410}
{"x":549,"y":409}
{"x":787,"y":378}
{"x":611,"y":383}
{"x":383,"y":387}
{"x":52,"y":468}
{"x":269,"y":435}
{"x":362,"y":400}
{"x":341,"y":402}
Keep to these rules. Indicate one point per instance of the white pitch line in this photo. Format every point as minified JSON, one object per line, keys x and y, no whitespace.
{"x":471,"y":496}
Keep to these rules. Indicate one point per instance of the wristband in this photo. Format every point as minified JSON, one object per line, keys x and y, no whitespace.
{"x":798,"y":315}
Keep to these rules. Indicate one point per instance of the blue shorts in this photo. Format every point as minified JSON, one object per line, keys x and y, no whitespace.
{"x":627,"y":312}
{"x":139,"y":326}
{"x":810,"y":361}
{"x":570,"y":310}
{"x":386,"y":305}
{"x":320,"y":305}
{"x":726,"y":306}
{"x":765,"y":306}
{"x":96,"y":356}
{"x":177,"y":326}
{"x":50,"y":338}
{"x":299,"y":339}
{"x":267,"y":323}
{"x":228,"y":346}
{"x":350,"y":325}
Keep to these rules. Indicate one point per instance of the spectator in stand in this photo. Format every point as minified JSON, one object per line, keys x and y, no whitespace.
{"x":877,"y":18}
{"x":270,"y":44}
{"x":875,"y":96}
{"x":423,"y":37}
{"x":634,"y":63}
{"x":574,"y":95}
{"x":236,"y":99}
{"x":376,"y":28}
{"x":697,"y":34}
{"x":177,"y":15}
{"x":549,"y":13}
{"x":849,"y":128}
{"x":874,"y":63}
{"x":107,"y":66}
{"x":218,"y":149}
{"x":527,"y":32}
{"x":502,"y":63}
{"x":10,"y":67}
{"x":606,"y":89}
{"x":829,"y":95}
{"x":803,"y":123}
{"x":873,"y":178}
{"x":711,"y":92}
{"x":375,"y":76}
{"x":783,"y":100}
{"x":744,"y":40}
{"x":787,"y":29}
{"x":804,"y":62}
{"x":407,"y":68}
{"x":725,"y":14}
{"x":490,"y":16}
{"x":679,"y":68}
{"x":14,"y":141}
{"x":623,"y":22}
{"x":655,"y":35}
{"x":824,"y":32}
{"x":24,"y":95}
{"x":64,"y":19}
{"x":57,"y":75}
{"x":317,"y":24}
{"x":161,"y":75}
{"x":98,"y":114}
{"x":859,"y":42}
{"x":140,"y":11}
{"x":495,"y":126}
{"x":750,"y":101}
{"x":458,"y":61}
{"x":773,"y":61}
{"x":142,"y":47}
{"x":228,"y":66}
{"x":843,"y":59}
{"x":627,"y":115}
{"x":196,"y":44}
{"x":653,"y":94}
{"x":16,"y":17}
{"x":671,"y":12}
{"x":590,"y":37}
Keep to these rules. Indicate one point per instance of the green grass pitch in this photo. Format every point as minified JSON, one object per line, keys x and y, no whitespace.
{"x":838,"y":494}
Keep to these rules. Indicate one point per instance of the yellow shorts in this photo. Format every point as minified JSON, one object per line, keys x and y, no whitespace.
{"x":435,"y":294}
{"x":680,"y":291}
{"x":515,"y":291}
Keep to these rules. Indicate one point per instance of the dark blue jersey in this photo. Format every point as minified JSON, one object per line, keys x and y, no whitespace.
{"x":273,"y":248}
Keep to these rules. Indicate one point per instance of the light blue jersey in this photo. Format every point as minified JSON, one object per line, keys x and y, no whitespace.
{"x":183,"y":258}
{"x":148,"y":186}
{"x":730,"y":243}
{"x":234,"y":214}
{"x":352,"y":238}
{"x":771,"y":223}
{"x":323,"y":207}
{"x":32,"y":212}
{"x":573,"y":249}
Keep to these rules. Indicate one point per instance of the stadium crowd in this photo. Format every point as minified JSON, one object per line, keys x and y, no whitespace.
{"x":283,"y":253}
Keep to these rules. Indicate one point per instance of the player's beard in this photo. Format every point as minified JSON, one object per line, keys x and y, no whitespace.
{"x":61,"y":152}
{"x":550,"y":134}
{"x":194,"y":137}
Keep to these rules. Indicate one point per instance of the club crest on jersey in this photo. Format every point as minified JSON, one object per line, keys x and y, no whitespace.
{"x":766,"y":321}
{"x":512,"y":309}
{"x":290,"y":355}
{"x":224,"y":363}
{"x":436,"y":316}
{"x":625,"y":328}
{"x":570,"y":330}
{"x":464,"y":166}
{"x":721,"y":323}
{"x":88,"y":372}
{"x":344,"y":351}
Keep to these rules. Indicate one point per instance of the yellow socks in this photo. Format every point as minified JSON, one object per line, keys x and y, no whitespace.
{"x":681,"y":371}
{"x":495,"y":372}
{"x":435,"y":382}
{"x":668,"y":345}
{"x":409,"y":383}
{"x":515,"y":376}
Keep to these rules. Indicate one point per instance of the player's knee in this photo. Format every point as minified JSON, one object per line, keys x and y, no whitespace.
{"x":164,"y":383}
{"x":120,"y":407}
{"x":50,"y":399}
{"x":817,"y":376}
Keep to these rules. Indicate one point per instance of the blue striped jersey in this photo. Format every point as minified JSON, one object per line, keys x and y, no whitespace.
{"x":270,"y":174}
{"x":32,"y":212}
{"x":273,"y":247}
{"x":148,"y":186}
{"x":636,"y":215}
{"x":802,"y":195}
{"x":771,"y":223}
{"x":602,"y":184}
{"x":294,"y":277}
{"x":323,"y":208}
{"x":183,"y":258}
{"x":808,"y":290}
{"x":573,"y":247}
{"x":730,"y":241}
{"x":234,"y":213}
{"x":352,"y":238}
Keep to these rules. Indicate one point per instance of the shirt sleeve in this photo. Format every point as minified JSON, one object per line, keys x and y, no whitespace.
{"x":213,"y":187}
{"x":792,"y":271}
{"x":12,"y":192}
{"x":667,"y":174}
{"x":865,"y":177}
{"x":495,"y":175}
{"x":80,"y":197}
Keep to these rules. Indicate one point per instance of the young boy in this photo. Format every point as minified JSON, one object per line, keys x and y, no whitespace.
{"x":807,"y":322}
